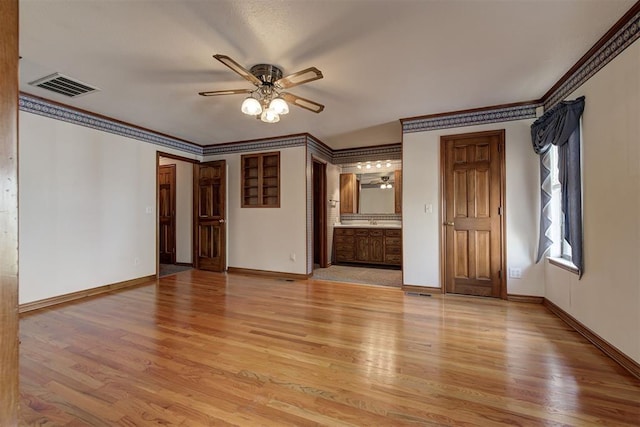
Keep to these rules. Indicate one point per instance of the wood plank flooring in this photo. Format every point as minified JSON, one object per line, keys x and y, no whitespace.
{"x":208,"y":349}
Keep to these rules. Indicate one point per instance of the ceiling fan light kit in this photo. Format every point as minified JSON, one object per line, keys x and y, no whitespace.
{"x":268,"y":102}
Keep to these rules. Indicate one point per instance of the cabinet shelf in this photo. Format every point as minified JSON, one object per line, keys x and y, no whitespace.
{"x":261,"y":180}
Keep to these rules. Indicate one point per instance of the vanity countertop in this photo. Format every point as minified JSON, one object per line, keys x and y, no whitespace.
{"x":367,"y":225}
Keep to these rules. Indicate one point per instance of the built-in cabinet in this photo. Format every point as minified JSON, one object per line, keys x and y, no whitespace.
{"x":398,"y":190}
{"x":349,"y":189}
{"x":261,"y":180}
{"x":368,"y":246}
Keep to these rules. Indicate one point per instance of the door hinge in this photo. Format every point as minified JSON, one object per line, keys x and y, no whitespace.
{"x":499,"y":210}
{"x":499,"y":274}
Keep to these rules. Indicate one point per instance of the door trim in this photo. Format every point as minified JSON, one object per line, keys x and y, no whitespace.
{"x":503,"y":220}
{"x":324,"y":258}
{"x":9,"y":359}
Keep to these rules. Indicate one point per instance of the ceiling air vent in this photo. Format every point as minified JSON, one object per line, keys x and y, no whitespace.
{"x":64,"y":85}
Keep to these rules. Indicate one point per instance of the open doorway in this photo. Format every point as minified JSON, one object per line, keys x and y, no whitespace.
{"x":175,"y":214}
{"x":319,"y":177}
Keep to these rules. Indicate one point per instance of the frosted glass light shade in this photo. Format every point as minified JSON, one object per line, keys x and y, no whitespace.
{"x":251,"y":106}
{"x":279,"y":106}
{"x":270,"y":116}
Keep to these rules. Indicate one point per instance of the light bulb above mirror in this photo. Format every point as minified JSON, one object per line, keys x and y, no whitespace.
{"x":378,"y":164}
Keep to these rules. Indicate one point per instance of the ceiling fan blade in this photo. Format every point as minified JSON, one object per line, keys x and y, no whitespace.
{"x":238,"y":69}
{"x":302,"y":102}
{"x":295,"y":79}
{"x":225,"y":92}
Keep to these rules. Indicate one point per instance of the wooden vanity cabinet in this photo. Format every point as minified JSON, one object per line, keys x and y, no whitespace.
{"x":344,"y":244}
{"x":368,"y":246}
{"x":349,"y":193}
{"x":393,"y":247}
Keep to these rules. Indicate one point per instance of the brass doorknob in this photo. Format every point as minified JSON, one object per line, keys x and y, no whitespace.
{"x":221,"y":220}
{"x":449,"y":223}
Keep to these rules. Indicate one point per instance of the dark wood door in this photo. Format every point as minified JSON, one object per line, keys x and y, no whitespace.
{"x":320,"y":214}
{"x":167,"y":213}
{"x":473,"y":202}
{"x":210,"y":215}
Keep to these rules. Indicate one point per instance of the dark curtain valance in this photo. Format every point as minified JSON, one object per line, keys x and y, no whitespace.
{"x":560,"y":126}
{"x":556,"y":125}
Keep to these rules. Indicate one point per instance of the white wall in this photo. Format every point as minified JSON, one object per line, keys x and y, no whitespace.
{"x":607,"y":298}
{"x":84,"y":201}
{"x":184,"y":209}
{"x":421,"y":186}
{"x":265,"y":238}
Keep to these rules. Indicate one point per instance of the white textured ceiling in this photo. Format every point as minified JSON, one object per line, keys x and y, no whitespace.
{"x":381,"y":60}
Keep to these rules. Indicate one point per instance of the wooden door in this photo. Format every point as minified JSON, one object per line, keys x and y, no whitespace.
{"x":210,"y":216}
{"x":473,"y":258}
{"x":320,"y":214}
{"x":167,"y":213}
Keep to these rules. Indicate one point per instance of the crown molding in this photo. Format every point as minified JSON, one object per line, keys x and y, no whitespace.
{"x":372,"y":153}
{"x":46,"y":108}
{"x":256,"y":145}
{"x":621,"y":35}
{"x":476,"y":116}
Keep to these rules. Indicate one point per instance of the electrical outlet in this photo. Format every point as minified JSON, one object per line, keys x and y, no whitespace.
{"x":515,"y":273}
{"x":136,"y":261}
{"x":292,"y":256}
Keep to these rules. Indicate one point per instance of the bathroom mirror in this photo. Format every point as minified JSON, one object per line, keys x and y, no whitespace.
{"x":376,"y":190}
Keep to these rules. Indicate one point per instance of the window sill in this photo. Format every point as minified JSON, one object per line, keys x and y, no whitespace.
{"x":564,"y":264}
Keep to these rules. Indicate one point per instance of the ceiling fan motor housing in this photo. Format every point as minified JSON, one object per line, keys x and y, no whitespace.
{"x":267,"y":73}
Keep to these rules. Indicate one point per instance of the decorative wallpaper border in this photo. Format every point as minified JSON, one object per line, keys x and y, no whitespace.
{"x":453,"y":120}
{"x":319,"y":150}
{"x":383,"y":152}
{"x":622,"y":39}
{"x":43,"y":108}
{"x":367,"y":217}
{"x":261,"y":145}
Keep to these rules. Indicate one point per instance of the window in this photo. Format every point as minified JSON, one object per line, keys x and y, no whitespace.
{"x":560,"y":247}
{"x":560,"y":251}
{"x":558,"y":134}
{"x":261,"y":180}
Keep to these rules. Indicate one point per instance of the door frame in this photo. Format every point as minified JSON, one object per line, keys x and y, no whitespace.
{"x":503,"y":217}
{"x":322,"y":220}
{"x":157,"y":238}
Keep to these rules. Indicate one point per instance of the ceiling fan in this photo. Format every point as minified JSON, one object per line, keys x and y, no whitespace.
{"x":268,"y":101}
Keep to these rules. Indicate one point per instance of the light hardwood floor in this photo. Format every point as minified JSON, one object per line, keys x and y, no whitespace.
{"x":201,"y":349}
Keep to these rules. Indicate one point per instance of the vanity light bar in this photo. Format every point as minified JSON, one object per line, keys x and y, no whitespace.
{"x":379,"y":164}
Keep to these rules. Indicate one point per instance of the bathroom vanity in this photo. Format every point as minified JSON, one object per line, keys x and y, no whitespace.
{"x":368,"y":244}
